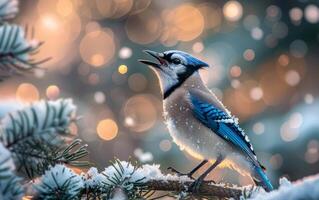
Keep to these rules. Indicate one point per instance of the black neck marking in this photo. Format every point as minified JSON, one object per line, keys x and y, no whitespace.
{"x":181,"y":79}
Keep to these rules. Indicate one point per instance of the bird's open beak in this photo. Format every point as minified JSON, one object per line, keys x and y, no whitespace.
{"x":158,"y":56}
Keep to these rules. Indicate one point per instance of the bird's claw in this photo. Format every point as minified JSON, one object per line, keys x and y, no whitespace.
{"x":194,"y":187}
{"x":189,"y":175}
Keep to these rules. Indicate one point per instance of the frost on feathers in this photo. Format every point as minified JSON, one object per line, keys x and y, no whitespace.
{"x":10,"y":188}
{"x":306,"y":188}
{"x":59,"y":182}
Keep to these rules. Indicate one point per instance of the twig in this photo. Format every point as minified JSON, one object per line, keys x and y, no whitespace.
{"x":208,"y":189}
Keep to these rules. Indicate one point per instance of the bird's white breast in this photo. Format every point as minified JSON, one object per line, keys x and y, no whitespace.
{"x":189,"y":133}
{"x":194,"y":137}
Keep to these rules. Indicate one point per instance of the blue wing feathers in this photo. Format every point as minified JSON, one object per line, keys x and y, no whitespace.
{"x":227,"y":127}
{"x":213,"y":118}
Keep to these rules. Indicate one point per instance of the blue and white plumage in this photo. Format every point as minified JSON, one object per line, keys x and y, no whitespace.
{"x":197,"y":121}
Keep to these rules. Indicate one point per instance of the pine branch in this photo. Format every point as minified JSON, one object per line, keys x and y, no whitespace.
{"x":10,"y":188}
{"x":8,"y":9}
{"x":59,"y":183}
{"x":16,"y":51}
{"x":37,"y":156}
{"x":207,"y":190}
{"x":36,"y":137}
{"x":139,"y":182}
{"x":134,"y":182}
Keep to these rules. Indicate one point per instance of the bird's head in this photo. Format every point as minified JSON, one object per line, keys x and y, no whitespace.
{"x":173,"y":67}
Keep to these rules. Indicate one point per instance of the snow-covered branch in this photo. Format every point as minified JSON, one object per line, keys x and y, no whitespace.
{"x":126,"y":180}
{"x":10,"y":187}
{"x":36,"y":136}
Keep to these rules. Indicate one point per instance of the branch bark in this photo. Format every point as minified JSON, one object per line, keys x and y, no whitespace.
{"x":208,"y":189}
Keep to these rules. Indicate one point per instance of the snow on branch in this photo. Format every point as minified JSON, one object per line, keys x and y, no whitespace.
{"x":16,"y":51}
{"x":125,"y":180}
{"x":59,"y":182}
{"x":306,"y":188}
{"x":8,"y":9}
{"x":10,"y":188}
{"x":36,"y":136}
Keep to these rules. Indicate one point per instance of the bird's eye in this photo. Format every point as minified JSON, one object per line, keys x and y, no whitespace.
{"x":176,"y":61}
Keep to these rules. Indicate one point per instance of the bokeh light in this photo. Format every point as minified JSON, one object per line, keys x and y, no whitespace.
{"x":295,"y":15}
{"x":308,"y":98}
{"x":312,"y":153}
{"x":99,"y":97}
{"x":235,"y":71}
{"x":198,"y":47}
{"x":249,"y":54}
{"x":137,"y":82}
{"x":64,"y":7}
{"x":165,"y":145}
{"x":292,"y":77}
{"x":27,"y":93}
{"x":122,"y":69}
{"x":298,"y":48}
{"x":184,"y":23}
{"x":276,"y":161}
{"x":97,"y":48}
{"x":107,"y":129}
{"x":233,"y":10}
{"x":283,"y":60}
{"x":144,"y":27}
{"x":259,"y":128}
{"x":53,"y":92}
{"x":140,"y":113}
{"x":125,"y":53}
{"x":312,"y":13}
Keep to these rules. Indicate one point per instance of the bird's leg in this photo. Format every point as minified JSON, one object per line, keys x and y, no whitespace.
{"x":196,"y":184}
{"x":189,"y":174}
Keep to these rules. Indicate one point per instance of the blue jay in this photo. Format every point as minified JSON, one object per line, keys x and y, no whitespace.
{"x":198,"y":122}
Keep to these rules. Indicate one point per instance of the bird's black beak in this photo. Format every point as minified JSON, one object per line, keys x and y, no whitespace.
{"x":158,"y":56}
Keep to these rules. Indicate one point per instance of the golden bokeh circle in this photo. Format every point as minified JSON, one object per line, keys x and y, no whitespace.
{"x":53,"y":92}
{"x":189,"y":22}
{"x":144,"y":27}
{"x":122,"y":69}
{"x":107,"y":129}
{"x":27,"y":93}
{"x":97,"y":48}
{"x":183,"y":23}
{"x":140,"y":113}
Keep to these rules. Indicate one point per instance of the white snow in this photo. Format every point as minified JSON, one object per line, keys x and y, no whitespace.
{"x":48,"y":117}
{"x":92,"y":178}
{"x":119,"y":194}
{"x":58,"y":177}
{"x":9,"y":8}
{"x":130,"y":174}
{"x":306,"y":188}
{"x":10,"y":187}
{"x":142,"y":156}
{"x":5,"y":158}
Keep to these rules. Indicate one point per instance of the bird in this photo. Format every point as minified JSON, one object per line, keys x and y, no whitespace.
{"x":197,"y":120}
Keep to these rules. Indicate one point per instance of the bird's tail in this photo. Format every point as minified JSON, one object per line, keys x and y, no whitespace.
{"x":261,"y":179}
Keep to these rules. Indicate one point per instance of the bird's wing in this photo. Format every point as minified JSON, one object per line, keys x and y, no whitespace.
{"x":222,"y":123}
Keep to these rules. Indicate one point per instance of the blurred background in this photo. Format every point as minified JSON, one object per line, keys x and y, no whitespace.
{"x":264,"y":67}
